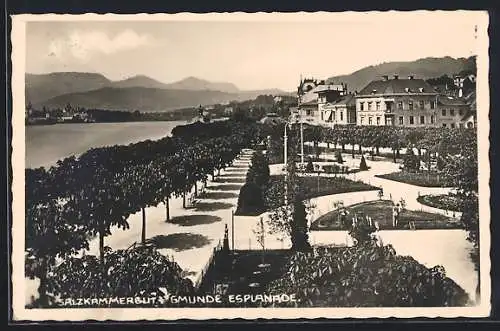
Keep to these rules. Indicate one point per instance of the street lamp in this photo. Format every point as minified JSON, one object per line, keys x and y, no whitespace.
{"x":285,"y":157}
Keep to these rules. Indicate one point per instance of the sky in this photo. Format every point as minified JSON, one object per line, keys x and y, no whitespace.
{"x":252,"y":54}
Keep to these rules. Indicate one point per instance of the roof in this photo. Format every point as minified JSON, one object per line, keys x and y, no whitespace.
{"x":450,"y":101}
{"x":329,"y":87}
{"x":348,"y":100}
{"x":395,"y":86}
{"x":310,"y":103}
{"x":272,"y":120}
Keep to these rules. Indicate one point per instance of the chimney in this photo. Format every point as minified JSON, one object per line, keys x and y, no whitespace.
{"x":385,"y":78}
{"x":396,"y":76}
{"x":410,"y":76}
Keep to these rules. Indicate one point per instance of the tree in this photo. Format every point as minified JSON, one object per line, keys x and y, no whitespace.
{"x":362,"y":164}
{"x":365,"y":276}
{"x":139,"y":271}
{"x":52,"y":229}
{"x":285,"y":199}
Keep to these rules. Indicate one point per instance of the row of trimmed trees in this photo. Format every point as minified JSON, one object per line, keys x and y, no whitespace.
{"x":434,"y":140}
{"x":80,"y":198}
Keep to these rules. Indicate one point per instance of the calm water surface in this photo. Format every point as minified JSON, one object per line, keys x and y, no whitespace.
{"x":46,"y":144}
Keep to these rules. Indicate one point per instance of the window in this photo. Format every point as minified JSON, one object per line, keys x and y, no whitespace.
{"x":422,"y":119}
{"x":370,"y":120}
{"x":410,"y":105}
{"x":411,"y":120}
{"x":362,"y":119}
{"x":377,"y":105}
{"x":470,"y":125}
{"x":334,"y":116}
{"x":461,"y":125}
{"x":432,"y":119}
{"x":322,"y":115}
{"x":433,"y":104}
{"x":308,"y":112}
{"x":401,"y":120}
{"x":444,"y":125}
{"x":341,"y":115}
{"x":452,"y":112}
{"x":361,"y":106}
{"x":370,"y":105}
{"x":400,"y":105}
{"x":452,"y":125}
{"x":443,"y":112}
{"x":378,"y":120}
{"x":421,"y":104}
{"x":461,"y":112}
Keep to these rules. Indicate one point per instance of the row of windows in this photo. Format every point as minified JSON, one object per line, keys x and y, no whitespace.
{"x":401,"y":105}
{"x":333,"y":117}
{"x":452,"y":112}
{"x":411,"y":120}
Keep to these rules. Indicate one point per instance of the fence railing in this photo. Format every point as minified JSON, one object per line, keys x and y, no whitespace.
{"x":207,"y":265}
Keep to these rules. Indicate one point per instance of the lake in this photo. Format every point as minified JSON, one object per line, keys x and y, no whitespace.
{"x":46,"y":144}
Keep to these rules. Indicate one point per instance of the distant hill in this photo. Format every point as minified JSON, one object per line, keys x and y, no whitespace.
{"x":45,"y":86}
{"x":137,"y":81}
{"x":89,"y":90}
{"x":423,"y":68}
{"x":143,"y":99}
{"x":196,"y":84}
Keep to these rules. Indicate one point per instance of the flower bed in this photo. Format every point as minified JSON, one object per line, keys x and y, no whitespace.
{"x":381,"y":211}
{"x":442,"y":201}
{"x":316,"y":186}
{"x":424,"y":178}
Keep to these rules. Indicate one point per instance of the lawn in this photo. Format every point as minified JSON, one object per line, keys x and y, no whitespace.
{"x":316,"y":186}
{"x":442,"y":201}
{"x":424,"y":178}
{"x":381,"y":211}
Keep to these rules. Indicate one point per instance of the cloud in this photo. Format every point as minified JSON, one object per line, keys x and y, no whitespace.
{"x":82,"y":45}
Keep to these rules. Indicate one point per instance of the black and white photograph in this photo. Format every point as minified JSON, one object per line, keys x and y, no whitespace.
{"x":239,"y":165}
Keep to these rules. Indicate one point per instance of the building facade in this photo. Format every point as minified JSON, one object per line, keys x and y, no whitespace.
{"x":340,"y":111}
{"x":397,"y":102}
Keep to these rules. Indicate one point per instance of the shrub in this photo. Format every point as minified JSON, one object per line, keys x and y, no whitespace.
{"x":339,"y":157}
{"x":332,"y":169}
{"x":365,"y":276}
{"x":411,"y":161}
{"x":362,"y":164}
{"x":310,"y":166}
{"x":258,"y":172}
{"x":137,"y":271}
{"x":250,"y":200}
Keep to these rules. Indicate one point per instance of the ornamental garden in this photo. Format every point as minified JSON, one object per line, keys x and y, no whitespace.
{"x":86,"y":199}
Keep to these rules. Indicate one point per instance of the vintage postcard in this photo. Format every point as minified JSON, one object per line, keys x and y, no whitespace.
{"x":238,"y":165}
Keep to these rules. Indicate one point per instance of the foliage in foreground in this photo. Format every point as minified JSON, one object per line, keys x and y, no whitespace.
{"x":137,"y":271}
{"x":366,"y":276}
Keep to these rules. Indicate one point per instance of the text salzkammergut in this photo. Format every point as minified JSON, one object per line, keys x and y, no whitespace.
{"x":204,"y":299}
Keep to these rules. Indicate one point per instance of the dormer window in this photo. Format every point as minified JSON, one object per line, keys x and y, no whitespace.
{"x":421,"y":89}
{"x":407,"y":89}
{"x":374,"y":91}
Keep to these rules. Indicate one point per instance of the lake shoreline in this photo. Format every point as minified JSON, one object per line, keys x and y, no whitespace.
{"x":47,"y":144}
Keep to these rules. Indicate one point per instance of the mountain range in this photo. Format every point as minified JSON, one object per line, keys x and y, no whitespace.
{"x":93,"y":90}
{"x":430,"y":67}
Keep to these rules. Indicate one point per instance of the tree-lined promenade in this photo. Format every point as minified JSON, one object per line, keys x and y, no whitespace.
{"x":84,"y":197}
